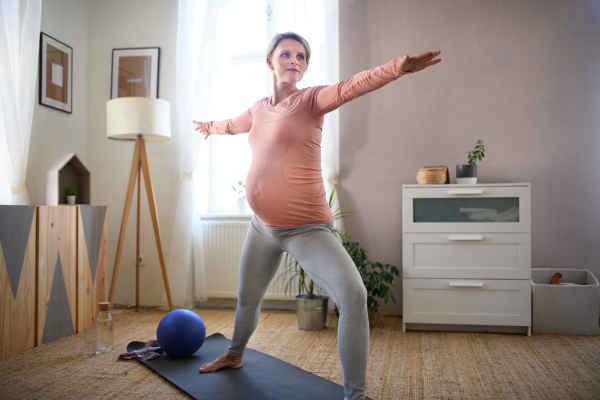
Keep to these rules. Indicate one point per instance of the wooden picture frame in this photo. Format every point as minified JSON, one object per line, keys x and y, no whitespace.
{"x":135,"y":72}
{"x":56,"y":74}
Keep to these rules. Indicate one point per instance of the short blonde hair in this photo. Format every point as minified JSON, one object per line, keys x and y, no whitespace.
{"x":288,"y":35}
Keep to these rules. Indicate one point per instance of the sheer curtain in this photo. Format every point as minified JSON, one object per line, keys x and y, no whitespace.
{"x":19,"y":46}
{"x":201,"y":30}
{"x":317,"y":22}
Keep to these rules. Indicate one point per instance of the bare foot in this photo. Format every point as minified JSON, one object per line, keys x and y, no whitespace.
{"x":225,"y":361}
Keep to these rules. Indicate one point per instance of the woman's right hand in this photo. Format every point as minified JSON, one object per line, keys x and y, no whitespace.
{"x":199,"y":128}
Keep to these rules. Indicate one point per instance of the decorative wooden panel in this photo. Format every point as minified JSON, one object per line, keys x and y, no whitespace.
{"x":57,"y":273}
{"x":92,"y":244}
{"x":17,"y":279}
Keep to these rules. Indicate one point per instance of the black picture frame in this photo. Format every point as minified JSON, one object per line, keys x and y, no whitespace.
{"x":135,"y":72}
{"x":55,"y":84}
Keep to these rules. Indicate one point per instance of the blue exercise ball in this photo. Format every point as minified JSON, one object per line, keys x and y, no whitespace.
{"x":181,"y":333}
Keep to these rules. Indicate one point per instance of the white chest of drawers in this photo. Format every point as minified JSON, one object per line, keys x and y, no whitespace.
{"x":466,"y":257}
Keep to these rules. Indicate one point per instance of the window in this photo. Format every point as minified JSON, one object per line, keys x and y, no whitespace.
{"x":227,"y":159}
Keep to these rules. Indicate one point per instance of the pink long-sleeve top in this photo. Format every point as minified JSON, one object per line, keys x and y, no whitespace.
{"x":285,"y":185}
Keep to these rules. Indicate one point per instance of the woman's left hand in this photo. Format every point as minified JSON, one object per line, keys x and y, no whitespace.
{"x":418,"y":61}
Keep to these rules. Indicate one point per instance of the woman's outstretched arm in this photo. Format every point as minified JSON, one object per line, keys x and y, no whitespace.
{"x":240,"y":124}
{"x":331,"y":97}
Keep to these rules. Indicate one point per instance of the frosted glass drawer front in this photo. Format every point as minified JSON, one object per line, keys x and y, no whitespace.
{"x":506,"y":212}
{"x":467,"y":210}
{"x":467,"y":301}
{"x":482,"y":255}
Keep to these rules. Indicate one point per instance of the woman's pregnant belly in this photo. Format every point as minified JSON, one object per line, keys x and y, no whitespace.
{"x":287,"y":194}
{"x":284,"y":186}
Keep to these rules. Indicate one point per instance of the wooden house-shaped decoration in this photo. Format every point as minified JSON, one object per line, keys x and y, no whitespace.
{"x":67,"y":171}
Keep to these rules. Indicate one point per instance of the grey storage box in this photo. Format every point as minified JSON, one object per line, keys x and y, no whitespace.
{"x":563,"y":309}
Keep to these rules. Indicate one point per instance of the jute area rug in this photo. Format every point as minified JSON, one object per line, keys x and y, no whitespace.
{"x":412,"y":365}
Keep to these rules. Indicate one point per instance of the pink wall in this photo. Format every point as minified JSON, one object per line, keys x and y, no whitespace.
{"x":524,"y":77}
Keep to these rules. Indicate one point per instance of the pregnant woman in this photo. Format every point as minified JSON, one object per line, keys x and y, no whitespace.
{"x":285,"y":190}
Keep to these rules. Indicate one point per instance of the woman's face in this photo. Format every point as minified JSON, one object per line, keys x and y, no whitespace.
{"x":288,"y":61}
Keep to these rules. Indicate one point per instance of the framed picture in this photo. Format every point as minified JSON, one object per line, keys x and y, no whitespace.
{"x":56,"y":74}
{"x":135,"y":72}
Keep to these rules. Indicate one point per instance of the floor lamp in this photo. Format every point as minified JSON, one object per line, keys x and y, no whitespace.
{"x":139,"y":119}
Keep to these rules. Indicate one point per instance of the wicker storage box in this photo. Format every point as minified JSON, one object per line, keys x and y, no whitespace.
{"x":433,"y":175}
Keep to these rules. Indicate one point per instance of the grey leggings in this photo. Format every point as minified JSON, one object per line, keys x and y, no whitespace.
{"x":328,"y":264}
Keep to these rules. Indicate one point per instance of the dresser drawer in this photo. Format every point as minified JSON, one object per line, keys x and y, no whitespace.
{"x":473,"y":208}
{"x":467,"y":302}
{"x":458,"y":191}
{"x":472,"y":255}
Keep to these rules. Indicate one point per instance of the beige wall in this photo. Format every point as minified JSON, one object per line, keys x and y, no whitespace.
{"x":54,"y":132}
{"x":520,"y":75}
{"x":93,"y":29}
{"x":523,"y":76}
{"x":129,"y":24}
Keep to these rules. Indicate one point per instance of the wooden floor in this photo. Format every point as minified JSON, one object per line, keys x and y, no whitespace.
{"x":412,"y":365}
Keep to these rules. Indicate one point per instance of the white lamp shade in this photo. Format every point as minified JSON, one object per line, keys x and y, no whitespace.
{"x":128,"y":117}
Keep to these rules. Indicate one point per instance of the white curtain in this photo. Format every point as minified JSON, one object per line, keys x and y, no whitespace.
{"x":201,"y":32}
{"x":201,"y":29}
{"x":317,"y":22}
{"x":19,"y":47}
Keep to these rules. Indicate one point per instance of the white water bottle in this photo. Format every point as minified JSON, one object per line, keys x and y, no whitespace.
{"x":104,"y":323}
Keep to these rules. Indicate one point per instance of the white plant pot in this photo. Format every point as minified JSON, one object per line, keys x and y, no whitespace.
{"x":466,"y":181}
{"x":241,"y":204}
{"x":71,"y":199}
{"x":466,"y":174}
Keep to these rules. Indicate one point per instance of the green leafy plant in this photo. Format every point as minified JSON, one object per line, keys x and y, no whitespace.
{"x":377,"y":279}
{"x":476,"y":154}
{"x":294,"y":274}
{"x":71,"y":190}
{"x":240,"y":189}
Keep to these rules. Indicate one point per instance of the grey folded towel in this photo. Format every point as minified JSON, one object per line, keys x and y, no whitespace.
{"x":151,"y":351}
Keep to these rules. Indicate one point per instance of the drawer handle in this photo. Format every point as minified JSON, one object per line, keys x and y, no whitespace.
{"x":465,"y":284}
{"x":465,"y":191}
{"x":465,"y":237}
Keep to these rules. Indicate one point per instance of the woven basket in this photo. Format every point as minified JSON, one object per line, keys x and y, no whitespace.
{"x":433,"y":175}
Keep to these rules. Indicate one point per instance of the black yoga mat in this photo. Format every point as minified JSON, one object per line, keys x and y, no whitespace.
{"x":262,"y":378}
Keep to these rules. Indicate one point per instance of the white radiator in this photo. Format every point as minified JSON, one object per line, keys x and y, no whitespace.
{"x":223,"y":242}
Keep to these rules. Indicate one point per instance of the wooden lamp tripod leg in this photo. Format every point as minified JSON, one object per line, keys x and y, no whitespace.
{"x":135,"y":169}
{"x":137,"y":246}
{"x":152,"y":204}
{"x":140,"y":160}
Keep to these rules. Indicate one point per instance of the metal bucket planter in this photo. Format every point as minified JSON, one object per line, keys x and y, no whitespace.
{"x":312,"y":313}
{"x":371,"y":315}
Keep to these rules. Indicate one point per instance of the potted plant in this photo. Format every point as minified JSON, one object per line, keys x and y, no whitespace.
{"x":71,"y":191}
{"x":467,"y":173}
{"x":241,"y":202}
{"x":376,"y":280}
{"x":311,"y":307}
